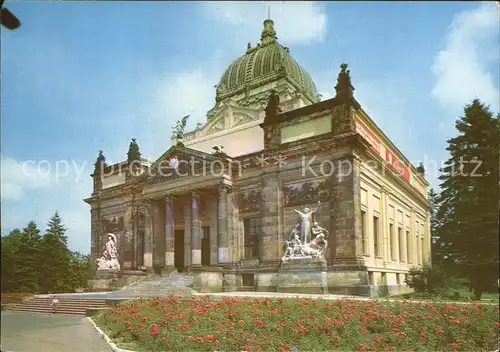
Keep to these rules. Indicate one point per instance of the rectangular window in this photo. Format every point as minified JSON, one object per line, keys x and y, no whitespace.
{"x":252,"y":230}
{"x":398,"y":279}
{"x":391,"y":240}
{"x":376,"y":234}
{"x":408,"y":247}
{"x":364,"y":238}
{"x":401,"y":245}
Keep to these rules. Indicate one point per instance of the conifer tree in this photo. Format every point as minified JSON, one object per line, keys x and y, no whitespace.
{"x":28,"y":259}
{"x":468,"y":203}
{"x":56,"y":257}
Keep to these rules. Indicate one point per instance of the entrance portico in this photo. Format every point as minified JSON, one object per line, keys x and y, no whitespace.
{"x":190,"y":226}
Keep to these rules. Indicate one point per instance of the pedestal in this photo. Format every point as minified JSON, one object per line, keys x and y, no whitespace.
{"x":168,"y":270}
{"x":303,"y":275}
{"x":207,"y":278}
{"x":104,"y":280}
{"x":110,"y":280}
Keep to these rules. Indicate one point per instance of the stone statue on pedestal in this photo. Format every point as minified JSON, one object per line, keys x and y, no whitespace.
{"x":305,"y":217}
{"x":315,"y":249}
{"x":109,"y":258}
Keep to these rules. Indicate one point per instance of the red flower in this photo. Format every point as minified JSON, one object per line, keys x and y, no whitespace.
{"x":198,"y":339}
{"x":246,"y":348}
{"x":140,"y":325}
{"x":165,"y":340}
{"x":154,"y":330}
{"x":397,"y":331}
{"x":439,"y":331}
{"x":209,"y":337}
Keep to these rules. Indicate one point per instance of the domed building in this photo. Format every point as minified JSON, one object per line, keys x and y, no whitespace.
{"x":277,"y":191}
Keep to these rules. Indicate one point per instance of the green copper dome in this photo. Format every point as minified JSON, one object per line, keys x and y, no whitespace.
{"x":264,"y":63}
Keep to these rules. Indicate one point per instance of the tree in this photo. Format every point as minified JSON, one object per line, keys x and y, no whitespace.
{"x":27,"y":259}
{"x":436,"y":253}
{"x":468,"y":203}
{"x":80,"y":270}
{"x":56,"y":257}
{"x":10,"y":264}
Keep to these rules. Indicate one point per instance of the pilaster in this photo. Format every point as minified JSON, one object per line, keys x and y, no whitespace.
{"x":345,"y":208}
{"x":271,"y":203}
{"x":413,"y":242}
{"x":386,"y":242}
{"x":95,"y":234}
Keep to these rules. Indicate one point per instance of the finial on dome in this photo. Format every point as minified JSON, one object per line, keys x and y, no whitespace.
{"x":268,"y":34}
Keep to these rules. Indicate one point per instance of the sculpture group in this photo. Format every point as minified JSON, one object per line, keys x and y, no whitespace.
{"x":109,"y":258}
{"x":306,"y":240}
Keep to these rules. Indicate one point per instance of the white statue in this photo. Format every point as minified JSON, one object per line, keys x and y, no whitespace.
{"x":109,"y":258}
{"x":295,"y":248}
{"x":305,"y":217}
{"x":319,"y":241}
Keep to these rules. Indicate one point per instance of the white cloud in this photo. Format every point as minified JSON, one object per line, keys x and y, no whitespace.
{"x":308,"y":24}
{"x":172,"y":97}
{"x":21,"y":177}
{"x":35,"y":190}
{"x":461,"y":68}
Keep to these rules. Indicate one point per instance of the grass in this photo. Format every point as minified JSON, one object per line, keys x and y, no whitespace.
{"x":242,"y":324}
{"x":459,"y":295}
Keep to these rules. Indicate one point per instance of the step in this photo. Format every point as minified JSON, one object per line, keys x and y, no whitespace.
{"x":76,"y":311}
{"x":65,"y":304}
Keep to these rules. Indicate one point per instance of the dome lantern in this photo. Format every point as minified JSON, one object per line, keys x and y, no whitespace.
{"x":268,"y":34}
{"x":267,"y":62}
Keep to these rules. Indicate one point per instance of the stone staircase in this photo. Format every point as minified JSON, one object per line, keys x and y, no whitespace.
{"x":175,"y":283}
{"x":67,"y":306}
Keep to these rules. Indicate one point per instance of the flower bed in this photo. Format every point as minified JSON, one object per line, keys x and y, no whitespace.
{"x":239,"y":324}
{"x":14,"y":297}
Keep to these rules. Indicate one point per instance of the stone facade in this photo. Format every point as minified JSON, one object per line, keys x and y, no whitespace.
{"x":224,"y":216}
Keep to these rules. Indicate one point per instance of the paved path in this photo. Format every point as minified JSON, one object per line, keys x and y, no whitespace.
{"x":35,"y":332}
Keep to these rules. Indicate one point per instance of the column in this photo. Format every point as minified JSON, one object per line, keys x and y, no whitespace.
{"x":169,"y":232}
{"x":187,"y":232}
{"x":195,"y":230}
{"x":148,"y":238}
{"x":222,"y":226}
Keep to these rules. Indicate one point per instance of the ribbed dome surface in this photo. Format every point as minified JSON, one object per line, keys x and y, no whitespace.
{"x":264,"y":63}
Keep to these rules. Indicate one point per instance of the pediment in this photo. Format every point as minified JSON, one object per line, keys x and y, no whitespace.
{"x":242,"y":118}
{"x":180,"y":161}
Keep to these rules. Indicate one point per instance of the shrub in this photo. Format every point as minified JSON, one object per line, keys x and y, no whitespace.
{"x":425,"y":279}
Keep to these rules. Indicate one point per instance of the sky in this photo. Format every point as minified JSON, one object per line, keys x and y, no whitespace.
{"x":82,"y":76}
